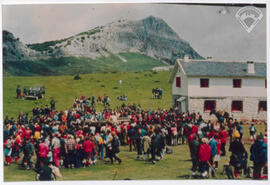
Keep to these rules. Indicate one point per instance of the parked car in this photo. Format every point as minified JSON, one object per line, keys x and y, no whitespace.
{"x":35,"y":92}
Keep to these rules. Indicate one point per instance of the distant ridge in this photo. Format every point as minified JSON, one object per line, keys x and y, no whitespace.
{"x":151,"y":37}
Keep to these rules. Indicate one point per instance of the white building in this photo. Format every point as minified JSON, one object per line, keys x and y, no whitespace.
{"x":236,"y":87}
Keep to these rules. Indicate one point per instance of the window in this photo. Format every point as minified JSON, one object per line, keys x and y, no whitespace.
{"x":209,"y":105}
{"x":237,"y":105}
{"x":265,"y":84}
{"x":262,"y":106}
{"x":237,"y":83}
{"x":178,"y":81}
{"x":204,"y":82}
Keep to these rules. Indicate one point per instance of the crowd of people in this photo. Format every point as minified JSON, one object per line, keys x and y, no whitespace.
{"x":81,"y":136}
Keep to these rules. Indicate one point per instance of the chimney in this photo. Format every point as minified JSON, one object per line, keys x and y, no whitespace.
{"x":250,"y":67}
{"x":186,"y":58}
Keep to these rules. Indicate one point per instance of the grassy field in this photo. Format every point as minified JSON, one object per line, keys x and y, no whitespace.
{"x":137,"y":86}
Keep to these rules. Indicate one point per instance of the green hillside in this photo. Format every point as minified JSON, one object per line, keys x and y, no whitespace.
{"x":136,"y":85}
{"x":73,"y":65}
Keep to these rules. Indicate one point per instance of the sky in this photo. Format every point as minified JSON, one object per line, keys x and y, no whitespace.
{"x":208,"y":31}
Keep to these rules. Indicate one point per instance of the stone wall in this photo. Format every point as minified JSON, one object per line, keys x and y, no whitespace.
{"x":250,"y":107}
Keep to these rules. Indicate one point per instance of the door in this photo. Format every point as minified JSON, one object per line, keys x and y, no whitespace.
{"x":183,"y":106}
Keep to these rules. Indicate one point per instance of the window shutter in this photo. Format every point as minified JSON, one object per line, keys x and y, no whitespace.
{"x":178,"y":82}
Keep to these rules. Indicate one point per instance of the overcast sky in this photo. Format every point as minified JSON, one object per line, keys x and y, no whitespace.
{"x":209,"y":32}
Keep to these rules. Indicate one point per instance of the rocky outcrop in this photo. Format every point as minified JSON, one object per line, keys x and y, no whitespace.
{"x":98,"y":50}
{"x":151,"y":36}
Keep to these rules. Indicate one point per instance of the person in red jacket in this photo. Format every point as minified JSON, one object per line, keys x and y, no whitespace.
{"x":28,"y":133}
{"x":204,"y":157}
{"x":223,"y":135}
{"x":194,"y":129}
{"x":43,"y":152}
{"x":88,"y":147}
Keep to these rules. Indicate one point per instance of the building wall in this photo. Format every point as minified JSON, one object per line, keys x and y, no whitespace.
{"x":183,"y":90}
{"x":251,"y":87}
{"x":250,"y":107}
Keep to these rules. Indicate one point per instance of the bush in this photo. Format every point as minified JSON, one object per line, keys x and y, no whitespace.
{"x":115,"y":87}
{"x":102,"y":86}
{"x":77,"y":77}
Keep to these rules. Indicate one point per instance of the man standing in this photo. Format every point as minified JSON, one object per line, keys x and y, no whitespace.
{"x":24,"y":91}
{"x":252,"y":132}
{"x":115,"y":148}
{"x":238,"y":152}
{"x":56,"y":150}
{"x":18,"y":91}
{"x":194,"y":150}
{"x":223,"y":139}
{"x":43,"y":152}
{"x":258,"y":155}
{"x":213,"y":144}
{"x":70,"y":148}
{"x":88,"y":147}
{"x":28,"y":151}
{"x":52,"y":102}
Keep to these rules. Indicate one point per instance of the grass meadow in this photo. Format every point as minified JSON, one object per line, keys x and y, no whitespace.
{"x":138,"y":88}
{"x":136,"y":85}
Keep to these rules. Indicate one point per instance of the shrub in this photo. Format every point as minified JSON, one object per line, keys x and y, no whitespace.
{"x":77,"y":77}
